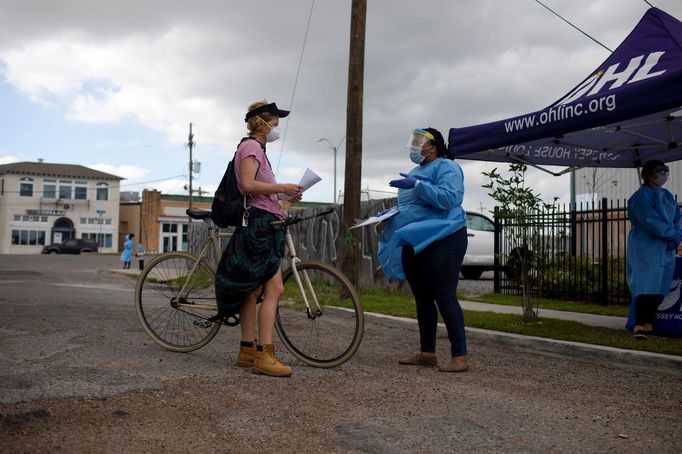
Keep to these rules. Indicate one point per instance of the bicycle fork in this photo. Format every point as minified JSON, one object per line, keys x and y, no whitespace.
{"x":317,"y":312}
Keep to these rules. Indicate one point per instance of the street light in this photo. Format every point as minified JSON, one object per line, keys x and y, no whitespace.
{"x":334,"y":149}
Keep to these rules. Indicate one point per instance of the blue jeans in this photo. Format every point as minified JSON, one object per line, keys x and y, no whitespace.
{"x":433,"y":275}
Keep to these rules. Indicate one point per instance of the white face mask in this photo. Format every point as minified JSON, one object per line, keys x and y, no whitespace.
{"x":273,"y":134}
{"x":661,"y":179}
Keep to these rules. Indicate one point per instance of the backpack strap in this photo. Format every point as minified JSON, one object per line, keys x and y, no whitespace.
{"x":244,"y":197}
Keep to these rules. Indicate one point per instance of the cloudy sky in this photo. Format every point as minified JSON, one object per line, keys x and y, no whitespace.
{"x":115,"y":85}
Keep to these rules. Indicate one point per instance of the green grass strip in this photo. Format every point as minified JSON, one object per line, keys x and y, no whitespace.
{"x":402,"y":305}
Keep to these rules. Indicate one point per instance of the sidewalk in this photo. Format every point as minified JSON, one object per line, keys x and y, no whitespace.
{"x":586,"y":319}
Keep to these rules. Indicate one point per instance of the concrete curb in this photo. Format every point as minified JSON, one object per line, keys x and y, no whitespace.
{"x":607,"y":356}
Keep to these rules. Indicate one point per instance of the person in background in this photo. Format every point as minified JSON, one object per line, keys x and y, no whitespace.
{"x":127,"y":254}
{"x":249,"y":270}
{"x":425,"y":243}
{"x":653,"y":239}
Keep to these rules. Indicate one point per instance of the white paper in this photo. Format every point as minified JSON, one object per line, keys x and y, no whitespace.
{"x":376,"y":219}
{"x":308,"y":179}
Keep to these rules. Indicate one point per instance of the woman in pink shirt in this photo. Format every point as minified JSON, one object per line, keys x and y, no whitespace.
{"x":249,"y":269}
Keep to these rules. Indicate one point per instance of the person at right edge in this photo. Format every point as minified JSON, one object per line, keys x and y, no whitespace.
{"x":656,"y":232}
{"x":425,"y":243}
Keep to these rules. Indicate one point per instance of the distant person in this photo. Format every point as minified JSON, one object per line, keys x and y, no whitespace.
{"x":127,"y":254}
{"x":425,"y":243}
{"x":656,"y":232}
{"x":249,"y":269}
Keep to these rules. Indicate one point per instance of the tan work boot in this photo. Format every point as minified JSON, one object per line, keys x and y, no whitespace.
{"x":456,"y":364}
{"x":246,"y":355}
{"x":267,"y":363}
{"x":420,"y":359}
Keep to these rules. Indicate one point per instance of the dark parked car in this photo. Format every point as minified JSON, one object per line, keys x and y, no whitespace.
{"x":72,"y":246}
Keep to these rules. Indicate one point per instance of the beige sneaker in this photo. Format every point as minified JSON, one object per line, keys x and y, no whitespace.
{"x":246,"y":355}
{"x":267,"y":363}
{"x":420,"y":359}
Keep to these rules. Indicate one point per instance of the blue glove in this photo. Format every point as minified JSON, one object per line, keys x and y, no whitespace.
{"x":672,"y":244}
{"x":407,"y":182}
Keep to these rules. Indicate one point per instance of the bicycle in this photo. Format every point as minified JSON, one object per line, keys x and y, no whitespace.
{"x":319,"y":318}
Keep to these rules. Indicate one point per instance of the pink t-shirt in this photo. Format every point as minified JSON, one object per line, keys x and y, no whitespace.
{"x":267,"y":202}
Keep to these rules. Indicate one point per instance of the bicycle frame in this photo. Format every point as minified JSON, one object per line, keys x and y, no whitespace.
{"x":213,"y":239}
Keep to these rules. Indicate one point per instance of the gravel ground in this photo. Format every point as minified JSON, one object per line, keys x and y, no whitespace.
{"x":77,"y":374}
{"x":129,"y":396}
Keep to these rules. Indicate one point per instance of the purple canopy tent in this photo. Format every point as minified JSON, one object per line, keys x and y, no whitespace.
{"x":625,"y":113}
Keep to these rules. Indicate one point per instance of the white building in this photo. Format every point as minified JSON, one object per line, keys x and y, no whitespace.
{"x":620,"y":184}
{"x":42,"y":204}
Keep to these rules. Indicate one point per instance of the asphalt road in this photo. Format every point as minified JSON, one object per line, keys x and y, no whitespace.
{"x":77,"y":374}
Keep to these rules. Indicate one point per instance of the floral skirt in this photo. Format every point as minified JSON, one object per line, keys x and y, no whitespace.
{"x":251,"y":258}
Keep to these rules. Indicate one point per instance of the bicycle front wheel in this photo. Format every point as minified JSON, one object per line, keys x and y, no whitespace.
{"x":330,"y":331}
{"x":174,"y":297}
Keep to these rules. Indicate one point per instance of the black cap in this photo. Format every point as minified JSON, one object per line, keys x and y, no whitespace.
{"x":270,"y":108}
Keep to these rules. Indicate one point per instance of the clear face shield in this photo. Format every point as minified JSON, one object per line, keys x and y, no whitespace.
{"x":418,"y":138}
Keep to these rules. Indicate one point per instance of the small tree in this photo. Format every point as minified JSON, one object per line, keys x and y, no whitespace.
{"x":518,"y":202}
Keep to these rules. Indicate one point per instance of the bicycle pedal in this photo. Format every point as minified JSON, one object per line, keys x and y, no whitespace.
{"x":202,"y":323}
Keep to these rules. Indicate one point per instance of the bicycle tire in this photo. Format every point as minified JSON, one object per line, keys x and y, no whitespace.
{"x":179,"y":328}
{"x":333,"y":336}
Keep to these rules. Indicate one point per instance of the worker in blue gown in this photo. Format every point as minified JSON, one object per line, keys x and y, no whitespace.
{"x":425,"y":243}
{"x":127,"y":254}
{"x":656,"y":232}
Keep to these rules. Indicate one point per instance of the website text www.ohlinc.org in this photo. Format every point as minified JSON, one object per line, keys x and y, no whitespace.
{"x":561,"y":112}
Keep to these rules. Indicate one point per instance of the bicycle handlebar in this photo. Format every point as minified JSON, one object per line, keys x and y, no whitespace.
{"x":291,"y":220}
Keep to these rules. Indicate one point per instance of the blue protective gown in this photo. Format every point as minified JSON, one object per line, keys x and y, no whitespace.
{"x":428,"y":212}
{"x":127,"y":254}
{"x":655,"y":219}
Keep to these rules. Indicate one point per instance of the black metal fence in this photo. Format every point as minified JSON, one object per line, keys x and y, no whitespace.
{"x":575,"y":253}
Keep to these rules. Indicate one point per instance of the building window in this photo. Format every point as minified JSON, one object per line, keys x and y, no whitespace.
{"x":28,"y":237}
{"x":49,"y":191}
{"x":64,"y":192}
{"x":26,"y":187}
{"x":103,"y":239}
{"x":174,"y":236}
{"x":102,"y":191}
{"x":80,"y":193}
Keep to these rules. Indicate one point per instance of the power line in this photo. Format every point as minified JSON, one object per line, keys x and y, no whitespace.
{"x":293,"y":94}
{"x":648,"y":3}
{"x":574,"y":26}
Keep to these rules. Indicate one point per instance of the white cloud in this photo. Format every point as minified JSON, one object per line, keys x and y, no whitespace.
{"x":8,"y":159}
{"x":130,"y":173}
{"x":160,"y":65}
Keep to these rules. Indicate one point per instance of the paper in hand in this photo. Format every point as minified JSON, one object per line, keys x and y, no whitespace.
{"x":308,"y":179}
{"x":380,"y":217}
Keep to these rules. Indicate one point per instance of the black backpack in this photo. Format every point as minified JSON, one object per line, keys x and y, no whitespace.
{"x":229,"y":207}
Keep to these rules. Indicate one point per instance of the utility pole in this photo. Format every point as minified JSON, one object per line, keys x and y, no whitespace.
{"x":190,"y":144}
{"x":350,"y":255}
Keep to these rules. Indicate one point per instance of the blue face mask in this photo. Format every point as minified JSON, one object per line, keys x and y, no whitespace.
{"x":416,"y":155}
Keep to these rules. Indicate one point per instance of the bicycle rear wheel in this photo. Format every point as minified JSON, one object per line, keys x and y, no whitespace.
{"x":331,"y":333}
{"x":177,"y":322}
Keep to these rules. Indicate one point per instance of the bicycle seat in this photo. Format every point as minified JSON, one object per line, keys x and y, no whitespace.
{"x":198,"y":213}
